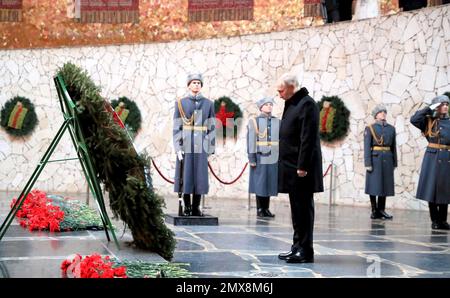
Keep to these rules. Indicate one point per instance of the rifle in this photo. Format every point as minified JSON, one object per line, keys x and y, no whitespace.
{"x":180,"y":189}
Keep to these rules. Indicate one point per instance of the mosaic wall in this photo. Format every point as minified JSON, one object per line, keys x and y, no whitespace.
{"x":48,"y":23}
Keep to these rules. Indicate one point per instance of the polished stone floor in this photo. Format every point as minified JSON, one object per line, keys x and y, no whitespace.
{"x":347,"y":244}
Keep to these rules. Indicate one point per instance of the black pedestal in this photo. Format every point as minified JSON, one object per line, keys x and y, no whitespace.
{"x":206,"y":220}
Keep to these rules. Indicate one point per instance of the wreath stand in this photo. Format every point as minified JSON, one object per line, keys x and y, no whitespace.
{"x":72,"y":124}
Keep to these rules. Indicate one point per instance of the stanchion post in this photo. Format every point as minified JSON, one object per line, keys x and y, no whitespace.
{"x":87,"y":194}
{"x":331,"y":185}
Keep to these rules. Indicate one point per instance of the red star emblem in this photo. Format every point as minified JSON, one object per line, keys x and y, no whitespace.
{"x":222,"y":115}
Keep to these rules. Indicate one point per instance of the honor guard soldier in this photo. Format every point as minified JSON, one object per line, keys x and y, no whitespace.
{"x":380,"y":160}
{"x":262,"y":148}
{"x":434,"y":184}
{"x":194,"y":140}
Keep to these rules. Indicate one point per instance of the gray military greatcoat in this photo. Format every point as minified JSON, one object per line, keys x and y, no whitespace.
{"x":434,"y":181}
{"x":380,"y":153}
{"x":196,"y":139}
{"x":262,"y":148}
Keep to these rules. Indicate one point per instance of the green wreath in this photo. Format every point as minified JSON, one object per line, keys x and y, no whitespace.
{"x":129,"y":113}
{"x":18,"y":117}
{"x":225,"y":108}
{"x":334,"y":119}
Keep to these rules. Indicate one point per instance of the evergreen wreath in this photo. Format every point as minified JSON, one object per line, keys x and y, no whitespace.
{"x":18,"y":117}
{"x":124,"y":173}
{"x":224,"y":108}
{"x":334,"y":119}
{"x":129,"y":113}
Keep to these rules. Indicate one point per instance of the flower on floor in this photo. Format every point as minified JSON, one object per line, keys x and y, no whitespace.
{"x":41,"y":211}
{"x":93,"y":266}
{"x":38,"y":213}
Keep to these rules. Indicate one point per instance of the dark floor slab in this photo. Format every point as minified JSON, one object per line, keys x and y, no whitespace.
{"x":18,"y":231}
{"x":342,"y":237}
{"x":130,"y":252}
{"x":213,"y":261}
{"x":365,"y":246}
{"x":48,"y":268}
{"x":435,"y":262}
{"x":432,"y":239}
{"x":182,"y":234}
{"x":247,"y":222}
{"x":407,"y":231}
{"x":243,"y":242}
{"x":188,"y":245}
{"x":50,"y":248}
{"x":271,"y":229}
{"x":337,"y":266}
{"x":213,"y":229}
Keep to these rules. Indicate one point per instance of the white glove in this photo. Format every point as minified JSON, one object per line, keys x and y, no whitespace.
{"x":180,"y":155}
{"x":369,"y":169}
{"x":253,"y":164}
{"x":435,"y":106}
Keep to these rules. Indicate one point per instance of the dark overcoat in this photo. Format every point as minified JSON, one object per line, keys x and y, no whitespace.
{"x":262,"y":149}
{"x":434,"y":180}
{"x":300,"y":145}
{"x":197,"y":140}
{"x":380,"y":181}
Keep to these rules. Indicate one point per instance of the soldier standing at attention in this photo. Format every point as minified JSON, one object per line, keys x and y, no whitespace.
{"x":434,"y":184}
{"x":262,"y":147}
{"x":194,"y":140}
{"x":380,"y":160}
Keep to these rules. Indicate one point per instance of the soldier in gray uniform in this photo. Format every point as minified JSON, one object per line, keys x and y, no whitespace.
{"x":262,"y":148}
{"x":380,"y":160}
{"x":434,"y":183}
{"x":194,"y":141}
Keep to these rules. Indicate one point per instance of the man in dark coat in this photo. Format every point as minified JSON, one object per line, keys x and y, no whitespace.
{"x":300,"y":165}
{"x":380,"y":160}
{"x":194,"y":140}
{"x":262,"y":148}
{"x":434,"y":184}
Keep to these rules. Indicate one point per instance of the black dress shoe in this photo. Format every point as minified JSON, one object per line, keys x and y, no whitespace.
{"x":440,"y":225}
{"x":299,"y":257}
{"x":285,"y":255}
{"x":435,"y":225}
{"x":267,"y":213}
{"x":384,"y":215}
{"x":260,"y":212}
{"x":445,"y":226}
{"x":375,"y":214}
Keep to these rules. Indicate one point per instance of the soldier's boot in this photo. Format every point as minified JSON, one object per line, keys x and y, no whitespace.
{"x":434,"y":216}
{"x":443,"y":211}
{"x":381,"y":208}
{"x":187,"y":205}
{"x":266,"y":211}
{"x":375,"y":214}
{"x":196,"y":206}
{"x":259,"y":208}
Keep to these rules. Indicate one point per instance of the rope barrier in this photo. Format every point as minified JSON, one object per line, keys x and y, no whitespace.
{"x":231,"y":182}
{"x":217,"y":177}
{"x":328,"y":169}
{"x":159,"y":172}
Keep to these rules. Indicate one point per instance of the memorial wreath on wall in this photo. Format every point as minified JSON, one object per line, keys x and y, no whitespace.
{"x":18,"y":117}
{"x":334,"y":119}
{"x":129,"y":113}
{"x":225,"y":109}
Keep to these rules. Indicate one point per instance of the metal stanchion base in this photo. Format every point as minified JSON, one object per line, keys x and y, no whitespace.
{"x":205,"y":220}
